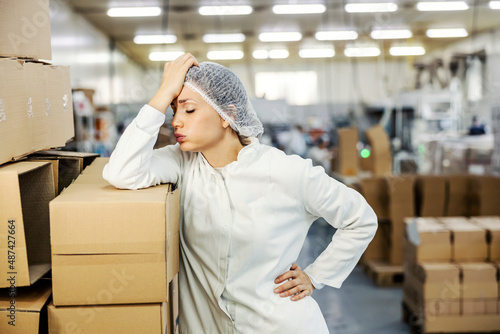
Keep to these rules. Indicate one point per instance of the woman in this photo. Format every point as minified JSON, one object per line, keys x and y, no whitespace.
{"x":245,"y":207}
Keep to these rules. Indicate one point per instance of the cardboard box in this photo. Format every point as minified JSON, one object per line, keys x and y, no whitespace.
{"x":457,"y":195}
{"x":485,"y":191}
{"x":25,"y":27}
{"x":69,"y":164}
{"x":113,"y":246}
{"x":492,"y":227}
{"x":438,"y":281}
{"x":107,"y":319}
{"x":27,"y":188}
{"x":23,"y":310}
{"x":36,"y":110}
{"x":468,"y":242}
{"x":430,"y":195}
{"x":381,"y":150}
{"x":374,"y":190}
{"x":479,"y":281}
{"x":401,"y":205}
{"x":348,"y":163}
{"x":427,"y":241}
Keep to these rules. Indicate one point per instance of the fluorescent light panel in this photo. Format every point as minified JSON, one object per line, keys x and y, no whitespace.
{"x":225,"y":10}
{"x":341,"y":35}
{"x":155,"y":39}
{"x":223,"y":38}
{"x":391,"y":34}
{"x":432,"y":6}
{"x":165,"y":56}
{"x":134,"y":11}
{"x":280,"y":36}
{"x":316,"y":53}
{"x":271,"y":54}
{"x":374,"y":7}
{"x":362,"y":52}
{"x":225,"y":55}
{"x":299,"y":9}
{"x":446,"y":33}
{"x":494,"y":4}
{"x":407,"y":51}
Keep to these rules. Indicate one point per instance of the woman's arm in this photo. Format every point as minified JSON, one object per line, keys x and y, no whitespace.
{"x":134,"y":164}
{"x":345,"y":209}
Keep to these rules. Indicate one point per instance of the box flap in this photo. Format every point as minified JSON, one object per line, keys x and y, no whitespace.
{"x":96,"y":167}
{"x":438,"y":272}
{"x":31,"y":298}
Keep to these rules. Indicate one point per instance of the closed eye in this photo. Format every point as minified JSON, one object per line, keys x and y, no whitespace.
{"x":189,"y":111}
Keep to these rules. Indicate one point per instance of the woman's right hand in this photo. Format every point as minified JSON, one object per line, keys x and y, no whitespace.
{"x":172,"y":81}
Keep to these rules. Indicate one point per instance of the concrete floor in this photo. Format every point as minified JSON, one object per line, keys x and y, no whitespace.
{"x":359,"y":306}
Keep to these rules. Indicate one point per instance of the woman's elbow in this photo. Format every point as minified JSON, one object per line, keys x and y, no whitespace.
{"x":116,"y":180}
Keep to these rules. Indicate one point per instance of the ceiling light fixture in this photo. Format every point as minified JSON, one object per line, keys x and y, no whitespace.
{"x":299,"y":9}
{"x":165,"y":56}
{"x":391,"y":34}
{"x":155,"y":39}
{"x":447,"y":33}
{"x":225,"y":55}
{"x":225,"y":10}
{"x":494,"y":4}
{"x":407,"y":51}
{"x":271,"y":54}
{"x":134,"y":11}
{"x":317,"y":53}
{"x":361,"y":51}
{"x":375,"y":7}
{"x":340,"y":35}
{"x":223,"y":38}
{"x":432,"y":6}
{"x":280,"y":36}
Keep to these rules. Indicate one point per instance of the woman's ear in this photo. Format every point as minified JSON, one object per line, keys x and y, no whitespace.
{"x":225,"y":124}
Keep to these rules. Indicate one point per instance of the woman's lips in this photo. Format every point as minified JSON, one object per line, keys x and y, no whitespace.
{"x":179,"y":138}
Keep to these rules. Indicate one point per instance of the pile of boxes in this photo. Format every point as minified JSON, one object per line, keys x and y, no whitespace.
{"x":108,"y":257}
{"x":452,"y":273}
{"x":115,"y":255}
{"x":394,"y":198}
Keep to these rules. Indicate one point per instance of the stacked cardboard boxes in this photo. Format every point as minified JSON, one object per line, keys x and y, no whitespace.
{"x":394,"y":198}
{"x":114,"y":253}
{"x":451,"y":284}
{"x":347,"y":152}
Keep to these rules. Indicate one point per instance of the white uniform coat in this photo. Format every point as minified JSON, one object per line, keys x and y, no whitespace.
{"x":244,"y":226}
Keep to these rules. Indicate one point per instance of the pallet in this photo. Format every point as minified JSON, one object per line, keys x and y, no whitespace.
{"x":384,"y":274}
{"x":458,"y":324}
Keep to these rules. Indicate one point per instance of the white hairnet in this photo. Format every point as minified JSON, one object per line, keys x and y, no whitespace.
{"x":223,"y":90}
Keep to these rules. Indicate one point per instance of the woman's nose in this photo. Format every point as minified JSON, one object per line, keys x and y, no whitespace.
{"x":176,"y":122}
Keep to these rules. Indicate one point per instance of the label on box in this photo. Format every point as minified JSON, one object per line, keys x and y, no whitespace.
{"x":2,"y":110}
{"x":47,"y":106}
{"x":30,"y":107}
{"x":65,"y":102}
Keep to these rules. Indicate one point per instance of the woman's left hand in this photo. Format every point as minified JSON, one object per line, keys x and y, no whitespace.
{"x":299,"y":285}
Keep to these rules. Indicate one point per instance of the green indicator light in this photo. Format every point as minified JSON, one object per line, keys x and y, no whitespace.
{"x":365,"y":153}
{"x":421,"y":149}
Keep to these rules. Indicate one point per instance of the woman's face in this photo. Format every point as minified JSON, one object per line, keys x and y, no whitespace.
{"x":197,"y":126}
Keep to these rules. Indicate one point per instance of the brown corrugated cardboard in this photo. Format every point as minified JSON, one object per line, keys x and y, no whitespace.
{"x":36,"y":109}
{"x":113,"y":246}
{"x":70,"y":164}
{"x":468,"y":242}
{"x":123,"y":319}
{"x":479,"y":281}
{"x":25,"y":27}
{"x":27,"y":188}
{"x":23,"y":310}
{"x":348,"y":163}
{"x":96,"y":167}
{"x":457,"y":195}
{"x":439,"y":281}
{"x":427,"y":242}
{"x":401,"y":205}
{"x":379,"y":247}
{"x":374,"y":190}
{"x":173,"y":302}
{"x":430,"y":195}
{"x":485,"y":191}
{"x":492,"y":227}
{"x":381,"y":150}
